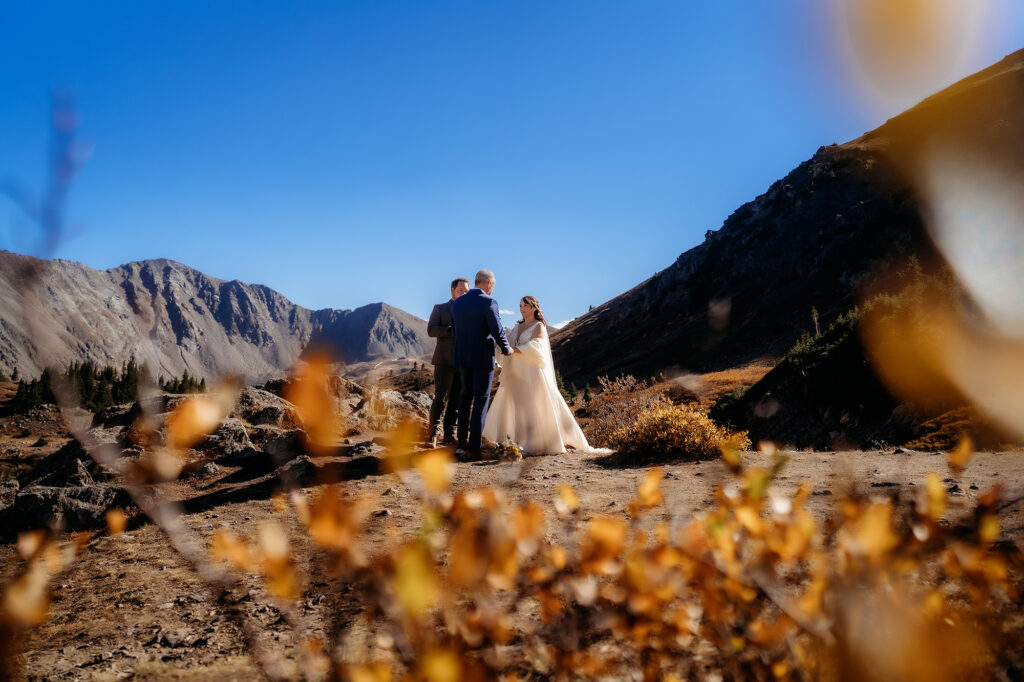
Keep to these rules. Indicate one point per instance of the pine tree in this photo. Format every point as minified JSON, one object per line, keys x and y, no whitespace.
{"x":561,"y":386}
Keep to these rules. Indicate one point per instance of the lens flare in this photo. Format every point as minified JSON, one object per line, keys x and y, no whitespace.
{"x":902,"y":50}
{"x":976,"y":217}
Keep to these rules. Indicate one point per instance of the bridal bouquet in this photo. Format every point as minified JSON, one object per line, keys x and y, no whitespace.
{"x":508,"y":450}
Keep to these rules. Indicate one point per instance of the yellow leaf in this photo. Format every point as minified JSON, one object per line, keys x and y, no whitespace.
{"x":309,"y":391}
{"x":567,"y":501}
{"x":416,"y":584}
{"x":276,"y":561}
{"x":731,"y":455}
{"x":649,"y":494}
{"x":936,"y":496}
{"x":229,"y":548}
{"x":116,"y":521}
{"x":26,"y":600}
{"x":400,"y":446}
{"x":441,"y":666}
{"x":750,"y":519}
{"x":757,"y":482}
{"x":374,"y":672}
{"x":872,"y":533}
{"x":959,"y":455}
{"x":527,"y":523}
{"x":434,"y":467}
{"x":30,"y":542}
{"x":192,"y":420}
{"x":988,"y":528}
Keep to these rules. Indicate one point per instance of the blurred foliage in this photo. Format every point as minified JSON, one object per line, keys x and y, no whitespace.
{"x":753,"y":587}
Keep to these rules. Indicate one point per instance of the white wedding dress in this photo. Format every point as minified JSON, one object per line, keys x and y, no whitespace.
{"x":527,"y":406}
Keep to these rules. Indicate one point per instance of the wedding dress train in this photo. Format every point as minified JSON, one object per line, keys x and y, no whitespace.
{"x":527,"y":406}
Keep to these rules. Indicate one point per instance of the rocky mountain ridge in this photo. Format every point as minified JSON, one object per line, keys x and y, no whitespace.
{"x":175,"y":319}
{"x":811,"y":243}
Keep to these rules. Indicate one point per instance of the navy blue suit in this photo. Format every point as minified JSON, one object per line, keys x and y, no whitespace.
{"x":477,"y":329}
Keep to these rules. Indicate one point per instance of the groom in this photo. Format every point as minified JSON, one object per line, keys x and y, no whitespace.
{"x":477,"y":329}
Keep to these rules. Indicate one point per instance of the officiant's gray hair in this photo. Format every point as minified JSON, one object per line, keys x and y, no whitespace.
{"x":484,"y":276}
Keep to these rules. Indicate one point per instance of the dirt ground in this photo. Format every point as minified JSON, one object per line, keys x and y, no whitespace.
{"x":131,"y":609}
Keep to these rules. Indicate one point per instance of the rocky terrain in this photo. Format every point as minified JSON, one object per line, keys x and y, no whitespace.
{"x":131,"y":608}
{"x":813,"y":240}
{"x":63,"y":487}
{"x":177,"y":319}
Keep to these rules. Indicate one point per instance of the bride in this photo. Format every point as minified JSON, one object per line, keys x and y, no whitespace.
{"x":527,"y":406}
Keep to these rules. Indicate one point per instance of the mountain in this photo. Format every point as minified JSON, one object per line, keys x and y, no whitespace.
{"x":175,"y":318}
{"x":814,"y":240}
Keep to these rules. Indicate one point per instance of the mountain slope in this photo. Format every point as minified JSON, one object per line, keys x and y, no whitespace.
{"x":175,"y":318}
{"x":813,"y":240}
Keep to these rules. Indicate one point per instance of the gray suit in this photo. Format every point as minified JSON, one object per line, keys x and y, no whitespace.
{"x":447,"y":382}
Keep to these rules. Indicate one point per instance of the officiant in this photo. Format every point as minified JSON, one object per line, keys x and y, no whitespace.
{"x":447,"y":382}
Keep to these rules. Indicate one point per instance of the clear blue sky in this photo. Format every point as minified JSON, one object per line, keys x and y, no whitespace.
{"x":350,"y":152}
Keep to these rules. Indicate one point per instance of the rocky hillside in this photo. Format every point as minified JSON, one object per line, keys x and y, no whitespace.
{"x":813,"y":240}
{"x":175,"y":318}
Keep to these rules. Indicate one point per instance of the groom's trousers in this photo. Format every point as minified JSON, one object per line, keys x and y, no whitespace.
{"x":476,"y":394}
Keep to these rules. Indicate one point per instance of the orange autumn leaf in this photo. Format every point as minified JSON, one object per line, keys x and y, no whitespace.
{"x":309,"y":391}
{"x":192,"y":420}
{"x":435,"y":468}
{"x":116,"y":521}
{"x":415,"y":583}
{"x":961,"y":454}
{"x":26,"y":601}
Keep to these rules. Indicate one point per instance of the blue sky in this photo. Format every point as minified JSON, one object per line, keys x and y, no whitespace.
{"x":350,"y":152}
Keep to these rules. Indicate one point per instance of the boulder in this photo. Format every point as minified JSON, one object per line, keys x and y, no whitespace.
{"x":286,"y":444}
{"x":67,"y":508}
{"x":230,"y":438}
{"x":113,"y":416}
{"x":257,"y":406}
{"x":70,"y":465}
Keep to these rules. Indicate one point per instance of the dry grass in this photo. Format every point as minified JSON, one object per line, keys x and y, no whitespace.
{"x":714,"y":385}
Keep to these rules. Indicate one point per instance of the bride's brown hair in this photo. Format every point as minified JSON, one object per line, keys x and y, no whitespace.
{"x":535,"y":304}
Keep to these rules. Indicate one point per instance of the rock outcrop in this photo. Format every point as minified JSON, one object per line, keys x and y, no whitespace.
{"x":263,"y":437}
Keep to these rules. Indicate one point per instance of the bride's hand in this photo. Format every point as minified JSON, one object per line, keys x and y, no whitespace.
{"x":515,"y":351}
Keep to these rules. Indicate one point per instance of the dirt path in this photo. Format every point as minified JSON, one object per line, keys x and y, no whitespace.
{"x":129,"y":608}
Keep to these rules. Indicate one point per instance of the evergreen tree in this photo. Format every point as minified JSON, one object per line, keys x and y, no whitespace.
{"x":14,"y":375}
{"x":561,"y":387}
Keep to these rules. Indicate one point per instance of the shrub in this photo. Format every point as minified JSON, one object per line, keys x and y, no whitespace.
{"x":945,"y":432}
{"x":676,"y":432}
{"x":40,"y":443}
{"x":619,"y":404}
